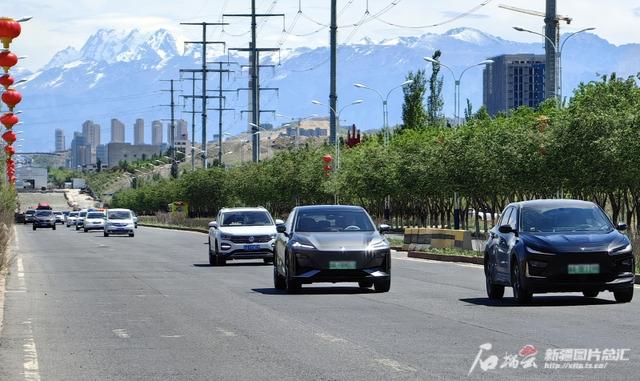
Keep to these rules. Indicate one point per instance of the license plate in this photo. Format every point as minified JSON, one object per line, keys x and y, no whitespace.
{"x":342,"y":265}
{"x":252,"y":247}
{"x":584,"y":269}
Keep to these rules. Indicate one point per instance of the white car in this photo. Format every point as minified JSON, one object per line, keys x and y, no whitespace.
{"x":71,"y":218}
{"x":242,"y":233}
{"x":93,"y":221}
{"x":59,"y":217}
{"x":80,"y":219}
{"x":119,"y":221}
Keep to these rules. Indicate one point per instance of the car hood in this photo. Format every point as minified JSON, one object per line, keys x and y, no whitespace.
{"x":248,"y":230}
{"x":575,"y":242}
{"x":93,"y":220}
{"x":337,"y":241}
{"x":128,"y":222}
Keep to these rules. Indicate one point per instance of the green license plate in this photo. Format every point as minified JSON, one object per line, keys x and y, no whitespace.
{"x":584,"y":269}
{"x":342,"y":265}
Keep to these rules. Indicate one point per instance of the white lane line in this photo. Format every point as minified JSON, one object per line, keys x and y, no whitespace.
{"x":121,"y":333}
{"x":393,"y":364}
{"x":330,"y":338}
{"x":30,"y":364}
{"x":226,"y":333}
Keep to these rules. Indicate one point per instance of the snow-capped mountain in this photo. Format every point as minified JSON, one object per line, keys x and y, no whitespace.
{"x":117,"y":75}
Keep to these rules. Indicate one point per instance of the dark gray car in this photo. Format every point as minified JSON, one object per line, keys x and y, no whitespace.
{"x":44,"y":219}
{"x":333,"y":243}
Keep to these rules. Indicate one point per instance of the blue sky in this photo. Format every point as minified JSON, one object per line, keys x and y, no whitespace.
{"x":61,"y":23}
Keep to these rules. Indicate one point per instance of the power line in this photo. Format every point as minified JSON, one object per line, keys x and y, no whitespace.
{"x":450,"y":20}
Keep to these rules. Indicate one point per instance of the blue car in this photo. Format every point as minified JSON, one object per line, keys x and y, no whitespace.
{"x":544,"y":246}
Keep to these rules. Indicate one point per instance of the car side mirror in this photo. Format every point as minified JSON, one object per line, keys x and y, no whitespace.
{"x":384,"y":228}
{"x":281,"y":228}
{"x":621,"y":226}
{"x":506,"y":229}
{"x":279,"y":222}
{"x":213,"y":224}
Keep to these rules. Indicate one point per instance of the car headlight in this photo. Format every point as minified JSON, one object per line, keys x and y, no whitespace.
{"x":303,"y":245}
{"x":273,"y":236}
{"x":621,"y":250}
{"x":225,"y":237}
{"x":534,"y":251}
{"x":379,"y":244}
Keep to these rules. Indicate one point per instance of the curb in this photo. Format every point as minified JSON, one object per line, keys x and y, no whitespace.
{"x":445,"y":258}
{"x":169,"y":227}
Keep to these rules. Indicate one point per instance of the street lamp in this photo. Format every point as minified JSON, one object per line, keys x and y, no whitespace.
{"x":385,"y":106}
{"x":337,"y":142}
{"x":456,"y":100}
{"x":558,"y":49}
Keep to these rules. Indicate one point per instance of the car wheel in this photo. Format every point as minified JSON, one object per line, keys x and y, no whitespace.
{"x":131,"y":234}
{"x":292,"y":286}
{"x":494,"y":291}
{"x":77,"y":228}
{"x":34,"y":227}
{"x":590,"y":293}
{"x":365,"y":284}
{"x":267,"y":260}
{"x":53,"y":227}
{"x":105,"y":234}
{"x":521,"y":294}
{"x":278,"y":280}
{"x":623,"y":296}
{"x":86,"y":230}
{"x":212,"y":257}
{"x":382,"y":286}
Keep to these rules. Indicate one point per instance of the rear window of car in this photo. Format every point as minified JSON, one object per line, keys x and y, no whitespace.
{"x":30,"y":212}
{"x":95,"y":215}
{"x":82,"y":214}
{"x":119,"y":215}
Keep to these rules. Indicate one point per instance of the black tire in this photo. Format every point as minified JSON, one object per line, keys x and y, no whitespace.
{"x":494,"y":291}
{"x":53,"y":227}
{"x":221,"y":260}
{"x":279,"y":283}
{"x":34,"y":227}
{"x":212,"y":257}
{"x":365,"y":284}
{"x":105,"y":234}
{"x":291,"y":285}
{"x":86,"y":230}
{"x":590,"y":293}
{"x":382,"y":286}
{"x":520,"y":294}
{"x":132,"y":235}
{"x":624,"y":296}
{"x":77,"y":228}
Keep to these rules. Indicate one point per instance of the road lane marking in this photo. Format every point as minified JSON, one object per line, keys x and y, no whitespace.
{"x":225,"y":332}
{"x":30,"y":364}
{"x":121,"y":333}
{"x":330,"y":338}
{"x":395,"y":365}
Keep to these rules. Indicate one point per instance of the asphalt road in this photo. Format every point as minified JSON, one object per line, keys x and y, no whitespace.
{"x":83,"y":307}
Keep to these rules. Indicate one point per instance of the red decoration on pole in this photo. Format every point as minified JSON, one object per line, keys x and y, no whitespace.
{"x":10,"y":162}
{"x":7,"y":60}
{"x":12,"y":179}
{"x":10,"y":150}
{"x":11,"y":97}
{"x":6,"y":80}
{"x":327,"y":158}
{"x":9,"y":29}
{"x":353,"y":138}
{"x":9,"y":120}
{"x":9,"y":137}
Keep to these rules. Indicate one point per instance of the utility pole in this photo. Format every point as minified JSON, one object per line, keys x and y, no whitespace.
{"x":552,"y":32}
{"x":173,"y":124}
{"x":221,"y":107}
{"x":333,"y":96}
{"x":193,"y":120}
{"x":204,"y":44}
{"x":254,"y":73}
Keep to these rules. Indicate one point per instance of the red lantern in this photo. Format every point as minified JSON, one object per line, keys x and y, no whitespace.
{"x":10,"y":162}
{"x":11,"y":97}
{"x":6,"y":80}
{"x":9,"y":120}
{"x":9,"y":137}
{"x":9,"y":29}
{"x":10,"y":150}
{"x":327,"y":158}
{"x":7,"y":60}
{"x":12,"y":179}
{"x":11,"y":171}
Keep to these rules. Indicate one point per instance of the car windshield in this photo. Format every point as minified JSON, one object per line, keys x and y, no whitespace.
{"x":246,"y":218}
{"x":59,"y":213}
{"x":82,"y":214}
{"x":44,"y":213}
{"x":328,"y":220}
{"x":30,"y":212}
{"x":95,"y":215}
{"x":119,"y":215}
{"x":73,"y":214}
{"x":551,"y":219}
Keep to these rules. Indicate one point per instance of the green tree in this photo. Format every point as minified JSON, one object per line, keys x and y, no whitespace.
{"x":414,"y":115}
{"x":434,"y":101}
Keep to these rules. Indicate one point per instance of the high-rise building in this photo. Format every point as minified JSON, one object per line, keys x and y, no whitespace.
{"x":91,"y":133}
{"x":117,"y":131}
{"x":513,"y":80}
{"x":156,"y":132}
{"x":180,"y":133}
{"x":138,"y":132}
{"x":60,"y":143}
{"x":101,"y":155}
{"x":80,"y":151}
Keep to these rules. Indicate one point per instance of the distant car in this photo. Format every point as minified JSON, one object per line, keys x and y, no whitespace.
{"x":331,"y":243}
{"x":80,"y":219}
{"x":241,"y":233}
{"x":28,"y":216}
{"x":59,"y":217}
{"x":71,"y":218}
{"x":135,"y":219}
{"x":44,"y":206}
{"x":93,"y":221}
{"x":44,"y":219}
{"x":541,"y":246}
{"x":119,"y":221}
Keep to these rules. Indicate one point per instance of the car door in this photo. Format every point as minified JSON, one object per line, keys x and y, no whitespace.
{"x":501,"y":247}
{"x":511,"y":239}
{"x":281,"y":243}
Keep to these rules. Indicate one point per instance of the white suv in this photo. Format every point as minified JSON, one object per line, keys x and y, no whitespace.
{"x":242,"y":233}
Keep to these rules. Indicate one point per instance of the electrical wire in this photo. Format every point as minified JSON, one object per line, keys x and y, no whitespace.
{"x":455,"y":18}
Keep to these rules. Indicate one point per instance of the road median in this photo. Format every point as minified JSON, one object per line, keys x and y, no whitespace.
{"x":174,"y":227}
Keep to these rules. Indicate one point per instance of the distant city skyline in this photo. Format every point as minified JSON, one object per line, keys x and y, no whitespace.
{"x":58,"y":24}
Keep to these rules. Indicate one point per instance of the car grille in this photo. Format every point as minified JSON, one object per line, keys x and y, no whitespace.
{"x":247,"y":239}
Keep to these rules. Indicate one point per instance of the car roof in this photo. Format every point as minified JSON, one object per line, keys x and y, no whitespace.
{"x":118,"y":210}
{"x":554,"y":203}
{"x":244,"y":209}
{"x":328,"y":207}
